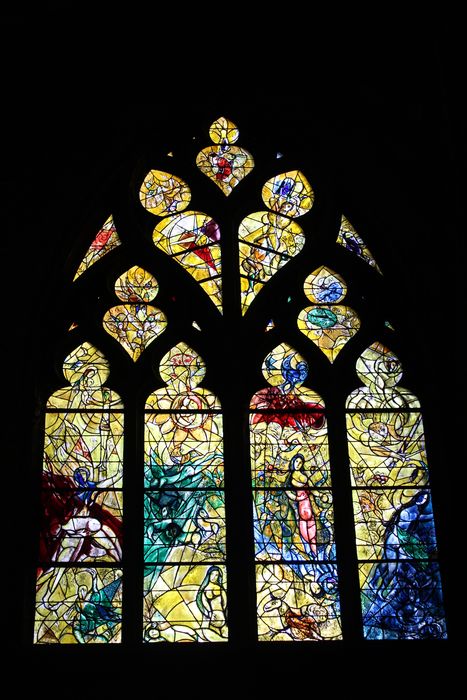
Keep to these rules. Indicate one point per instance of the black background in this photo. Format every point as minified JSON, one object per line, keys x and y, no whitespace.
{"x":375,"y":100}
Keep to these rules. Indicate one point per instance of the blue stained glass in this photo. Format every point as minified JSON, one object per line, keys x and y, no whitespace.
{"x":395,"y":531}
{"x":403,"y":600}
{"x":329,"y":293}
{"x":284,"y":187}
{"x":296,"y":578}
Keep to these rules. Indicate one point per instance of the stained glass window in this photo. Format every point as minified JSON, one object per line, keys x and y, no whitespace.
{"x":138,"y":324}
{"x":225,"y":164}
{"x":187,"y":321}
{"x":328,"y":324}
{"x":185,"y":586}
{"x":269,"y":239}
{"x":395,"y":533}
{"x":192,"y":238}
{"x":351,"y":241}
{"x":106,"y":240}
{"x":296,"y":573}
{"x":79,"y":577}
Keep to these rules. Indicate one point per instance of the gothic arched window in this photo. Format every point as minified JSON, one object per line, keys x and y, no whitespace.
{"x":184,"y":500}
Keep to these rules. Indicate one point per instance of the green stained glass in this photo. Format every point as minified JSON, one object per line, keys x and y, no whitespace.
{"x":328,"y":325}
{"x":394,"y":525}
{"x":188,"y":525}
{"x":78,"y":605}
{"x":106,"y":240}
{"x":184,"y":450}
{"x":225,"y":164}
{"x":184,"y":506}
{"x":292,"y":505}
{"x":351,"y":241}
{"x":163,"y":193}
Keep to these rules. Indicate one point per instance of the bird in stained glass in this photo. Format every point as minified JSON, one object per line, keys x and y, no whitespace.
{"x":293,"y":375}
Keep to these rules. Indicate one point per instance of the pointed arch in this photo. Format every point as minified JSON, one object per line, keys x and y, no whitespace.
{"x":79,"y":577}
{"x":296,"y":574}
{"x":185,"y":526}
{"x":395,"y":531}
{"x":185,"y":587}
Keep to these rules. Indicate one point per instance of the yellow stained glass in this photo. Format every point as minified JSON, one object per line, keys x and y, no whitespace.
{"x":327,"y":324}
{"x":78,"y":606}
{"x":387,"y":448}
{"x":163,"y":193}
{"x":186,"y":604}
{"x":106,"y":240}
{"x":296,"y":582}
{"x":135,"y":285}
{"x":223,"y":131}
{"x":292,"y":606}
{"x":267,"y":241}
{"x":289,"y":193}
{"x":192,"y":239}
{"x":187,"y":231}
{"x":184,"y":522}
{"x":226,"y":165}
{"x":86,"y":369}
{"x":134,"y":326}
{"x":324,"y":286}
{"x":137,"y":325}
{"x":377,"y":366}
{"x":78,"y":600}
{"x":269,"y":230}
